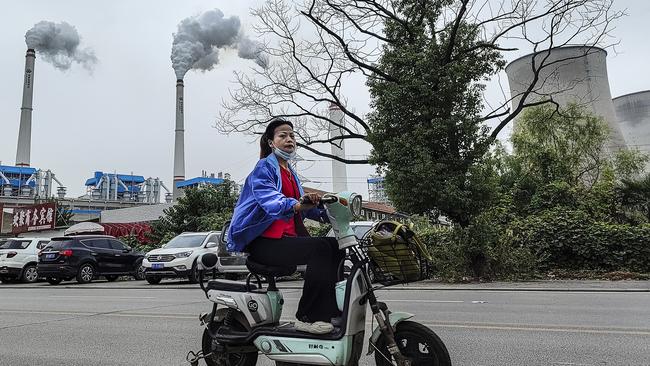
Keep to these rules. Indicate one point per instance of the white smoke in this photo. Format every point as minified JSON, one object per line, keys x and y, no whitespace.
{"x":252,"y":50}
{"x":198,"y":40}
{"x":58,"y":44}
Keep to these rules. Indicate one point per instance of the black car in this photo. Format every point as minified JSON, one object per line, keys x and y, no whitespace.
{"x":86,"y":257}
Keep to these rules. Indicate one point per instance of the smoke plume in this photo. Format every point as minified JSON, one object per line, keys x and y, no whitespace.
{"x":198,"y":40}
{"x":58,"y":44}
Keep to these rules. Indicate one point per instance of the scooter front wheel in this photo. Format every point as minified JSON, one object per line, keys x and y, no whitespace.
{"x":417,"y":343}
{"x":232,"y":359}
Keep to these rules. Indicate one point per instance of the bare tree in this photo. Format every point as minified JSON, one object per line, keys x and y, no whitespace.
{"x":316,"y":46}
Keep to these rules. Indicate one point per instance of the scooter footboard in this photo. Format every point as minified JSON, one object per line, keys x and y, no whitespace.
{"x":312,"y":351}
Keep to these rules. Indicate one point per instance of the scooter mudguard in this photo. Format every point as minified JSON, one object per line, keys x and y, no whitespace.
{"x":394,"y":319}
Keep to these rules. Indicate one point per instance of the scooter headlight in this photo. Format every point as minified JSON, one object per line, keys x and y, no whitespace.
{"x":355,"y":205}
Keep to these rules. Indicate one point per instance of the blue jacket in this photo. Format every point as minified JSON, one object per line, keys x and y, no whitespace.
{"x":261,"y":202}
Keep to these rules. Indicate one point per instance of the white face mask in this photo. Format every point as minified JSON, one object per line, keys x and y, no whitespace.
{"x":283,"y":154}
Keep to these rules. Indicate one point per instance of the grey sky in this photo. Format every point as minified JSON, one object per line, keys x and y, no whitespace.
{"x":121,"y":117}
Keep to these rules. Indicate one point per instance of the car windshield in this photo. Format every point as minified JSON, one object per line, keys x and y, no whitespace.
{"x":186,"y":241}
{"x":16,"y":244}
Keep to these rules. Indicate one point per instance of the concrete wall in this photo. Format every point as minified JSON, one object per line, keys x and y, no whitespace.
{"x":633,"y":114}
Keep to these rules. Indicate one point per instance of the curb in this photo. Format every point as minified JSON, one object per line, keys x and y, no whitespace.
{"x":392,"y":288}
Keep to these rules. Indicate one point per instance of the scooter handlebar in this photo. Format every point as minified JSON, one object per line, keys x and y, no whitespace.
{"x":328,"y":198}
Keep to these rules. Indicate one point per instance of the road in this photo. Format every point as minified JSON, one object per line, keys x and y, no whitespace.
{"x":117,"y":324}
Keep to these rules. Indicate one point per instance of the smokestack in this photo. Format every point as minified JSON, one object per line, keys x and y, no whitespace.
{"x":339,"y":172}
{"x":25,"y":131}
{"x":179,"y":141}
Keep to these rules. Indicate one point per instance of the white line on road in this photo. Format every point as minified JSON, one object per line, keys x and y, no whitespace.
{"x":460,"y":325}
{"x":104,"y":297}
{"x":421,"y":301}
{"x":426,"y":301}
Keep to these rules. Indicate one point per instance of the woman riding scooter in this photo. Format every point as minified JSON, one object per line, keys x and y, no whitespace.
{"x":268,"y":224}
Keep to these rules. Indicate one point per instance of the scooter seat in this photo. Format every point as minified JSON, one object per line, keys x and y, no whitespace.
{"x":223,"y":285}
{"x":269,"y":271}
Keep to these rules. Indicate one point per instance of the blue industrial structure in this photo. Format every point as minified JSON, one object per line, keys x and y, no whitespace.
{"x":28,"y":182}
{"x":199,"y":181}
{"x":376,"y":190}
{"x":125,"y":187}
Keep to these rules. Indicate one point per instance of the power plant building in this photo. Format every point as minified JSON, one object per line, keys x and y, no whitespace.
{"x":633,"y":114}
{"x":575,"y":74}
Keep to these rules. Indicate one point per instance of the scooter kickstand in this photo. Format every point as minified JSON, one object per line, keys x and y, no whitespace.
{"x":193,"y":358}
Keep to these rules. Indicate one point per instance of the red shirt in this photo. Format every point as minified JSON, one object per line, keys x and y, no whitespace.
{"x":280,"y":227}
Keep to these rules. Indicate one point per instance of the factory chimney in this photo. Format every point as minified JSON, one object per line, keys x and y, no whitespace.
{"x":179,"y":141}
{"x":339,"y":172}
{"x":25,"y":131}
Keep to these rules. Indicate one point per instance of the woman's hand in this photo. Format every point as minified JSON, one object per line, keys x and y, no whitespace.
{"x":307,"y":202}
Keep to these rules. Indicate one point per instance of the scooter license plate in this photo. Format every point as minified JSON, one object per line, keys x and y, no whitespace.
{"x":157,"y":265}
{"x":50,"y":256}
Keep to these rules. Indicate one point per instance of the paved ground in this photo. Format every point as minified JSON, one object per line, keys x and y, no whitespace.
{"x":129,"y":323}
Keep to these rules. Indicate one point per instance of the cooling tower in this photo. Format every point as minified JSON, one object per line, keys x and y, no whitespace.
{"x":633,"y":113}
{"x":339,"y":172}
{"x":575,"y":74}
{"x":179,"y":141}
{"x":25,"y":131}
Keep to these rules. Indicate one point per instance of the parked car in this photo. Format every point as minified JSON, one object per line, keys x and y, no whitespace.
{"x":177,"y":258}
{"x":85,"y":257}
{"x":18,"y":259}
{"x":231,"y":263}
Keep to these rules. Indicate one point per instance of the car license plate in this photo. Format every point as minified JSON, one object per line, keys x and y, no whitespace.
{"x":50,"y":256}
{"x":157,"y":265}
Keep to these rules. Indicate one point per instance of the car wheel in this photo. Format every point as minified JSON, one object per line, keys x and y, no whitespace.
{"x":54,"y":281}
{"x":194,"y":274}
{"x":30,"y":274}
{"x":111,"y":278}
{"x":139,"y":272}
{"x":86,"y":273}
{"x":153,"y":280}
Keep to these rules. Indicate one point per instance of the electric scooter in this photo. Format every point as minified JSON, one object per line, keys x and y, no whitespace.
{"x":246,"y":318}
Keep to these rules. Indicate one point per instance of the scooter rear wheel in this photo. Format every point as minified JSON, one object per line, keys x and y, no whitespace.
{"x":233,"y":359}
{"x":418,"y":343}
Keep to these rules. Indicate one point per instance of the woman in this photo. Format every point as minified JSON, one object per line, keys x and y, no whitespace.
{"x":268,"y":224}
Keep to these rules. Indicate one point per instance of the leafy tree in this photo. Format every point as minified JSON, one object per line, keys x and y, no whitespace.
{"x":318,"y":48}
{"x":199,"y":209}
{"x":426,"y":130}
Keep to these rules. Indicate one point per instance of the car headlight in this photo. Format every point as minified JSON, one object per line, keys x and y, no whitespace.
{"x":355,"y":206}
{"x":183,"y":254}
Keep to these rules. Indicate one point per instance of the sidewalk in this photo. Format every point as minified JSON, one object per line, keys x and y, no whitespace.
{"x":429,"y":285}
{"x":556,"y":285}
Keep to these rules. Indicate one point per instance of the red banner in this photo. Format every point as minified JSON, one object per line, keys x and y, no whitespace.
{"x":34,"y":218}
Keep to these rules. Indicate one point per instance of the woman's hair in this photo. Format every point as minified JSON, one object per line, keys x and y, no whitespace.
{"x":265,"y":149}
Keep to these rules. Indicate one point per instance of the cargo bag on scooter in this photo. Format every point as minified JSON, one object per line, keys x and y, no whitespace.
{"x":397,"y":255}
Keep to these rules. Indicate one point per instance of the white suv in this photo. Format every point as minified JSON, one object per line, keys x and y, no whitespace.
{"x":19,"y":257}
{"x":178,"y":257}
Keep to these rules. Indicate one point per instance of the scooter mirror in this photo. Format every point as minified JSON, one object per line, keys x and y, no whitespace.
{"x":209,"y":260}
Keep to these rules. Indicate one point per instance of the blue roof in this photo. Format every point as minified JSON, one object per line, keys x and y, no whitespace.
{"x":125,"y":178}
{"x":6,"y":169}
{"x":82,"y":211}
{"x":198,"y":180}
{"x":376,"y":180}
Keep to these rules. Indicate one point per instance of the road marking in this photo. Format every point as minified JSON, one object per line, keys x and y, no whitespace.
{"x":104,"y":297}
{"x":420,"y":301}
{"x":552,"y":328}
{"x":426,"y":301}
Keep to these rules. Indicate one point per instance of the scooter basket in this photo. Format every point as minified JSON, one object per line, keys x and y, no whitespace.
{"x":396,"y":255}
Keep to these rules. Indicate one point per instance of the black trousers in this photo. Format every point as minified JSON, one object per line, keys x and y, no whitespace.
{"x":322,"y":257}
